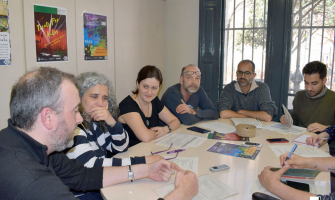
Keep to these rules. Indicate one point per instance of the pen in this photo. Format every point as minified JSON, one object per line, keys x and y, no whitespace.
{"x":289,"y":155}
{"x":258,"y":120}
{"x":175,"y":151}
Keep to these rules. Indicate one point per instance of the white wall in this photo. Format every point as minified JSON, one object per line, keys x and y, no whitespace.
{"x":140,"y":32}
{"x":181,"y":38}
{"x":139,"y":40}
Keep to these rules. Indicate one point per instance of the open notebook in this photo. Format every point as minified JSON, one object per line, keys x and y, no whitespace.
{"x":302,"y":140}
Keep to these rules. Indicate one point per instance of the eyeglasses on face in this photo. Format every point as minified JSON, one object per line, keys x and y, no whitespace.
{"x":191,"y":73}
{"x":240,"y":73}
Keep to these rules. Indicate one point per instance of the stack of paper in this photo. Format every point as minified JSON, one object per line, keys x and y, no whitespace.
{"x":181,"y":140}
{"x":302,"y":140}
{"x":251,"y":121}
{"x":209,"y":189}
{"x":301,"y":150}
{"x":288,"y":128}
{"x":218,"y":127}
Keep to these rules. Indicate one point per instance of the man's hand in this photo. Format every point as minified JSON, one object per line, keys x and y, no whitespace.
{"x":187,"y":182}
{"x":152,"y":159}
{"x":102,"y":114}
{"x":283,"y":120}
{"x":160,"y":131}
{"x":316,"y":127}
{"x":316,"y":139}
{"x":269,"y":179}
{"x":186,"y":186}
{"x":184,"y":108}
{"x":162,"y":170}
{"x":294,"y":161}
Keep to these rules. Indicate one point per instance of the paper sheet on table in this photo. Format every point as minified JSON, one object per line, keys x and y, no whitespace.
{"x":186,"y":163}
{"x":251,"y":121}
{"x":302,"y":141}
{"x":209,"y":189}
{"x":257,"y":187}
{"x":280,"y":128}
{"x":181,"y":140}
{"x":218,"y":127}
{"x":301,"y":150}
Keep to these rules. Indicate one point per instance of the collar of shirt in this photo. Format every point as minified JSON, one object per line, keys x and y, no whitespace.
{"x":252,"y":87}
{"x":321,"y":95}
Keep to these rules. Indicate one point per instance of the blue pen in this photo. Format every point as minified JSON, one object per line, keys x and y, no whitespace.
{"x":289,"y":155}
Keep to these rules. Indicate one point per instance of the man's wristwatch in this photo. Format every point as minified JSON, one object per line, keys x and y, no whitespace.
{"x":130,"y":174}
{"x":170,"y":128}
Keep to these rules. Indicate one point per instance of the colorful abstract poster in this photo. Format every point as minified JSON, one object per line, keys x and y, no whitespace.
{"x":242,"y":151}
{"x":95,"y":37}
{"x":50,"y":34}
{"x":4,"y":34}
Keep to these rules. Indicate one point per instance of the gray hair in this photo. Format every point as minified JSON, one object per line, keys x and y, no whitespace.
{"x":35,"y":91}
{"x":87,"y":80}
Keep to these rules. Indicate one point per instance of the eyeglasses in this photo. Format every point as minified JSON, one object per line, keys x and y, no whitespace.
{"x":240,"y":73}
{"x":192,"y":72}
{"x":170,"y":152}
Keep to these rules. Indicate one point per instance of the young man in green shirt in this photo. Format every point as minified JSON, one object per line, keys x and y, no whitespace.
{"x":314,"y":107}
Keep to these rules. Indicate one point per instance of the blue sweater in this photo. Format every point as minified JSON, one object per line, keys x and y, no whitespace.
{"x":173,"y":96}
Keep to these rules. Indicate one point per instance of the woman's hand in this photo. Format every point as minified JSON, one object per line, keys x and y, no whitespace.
{"x":160,"y":131}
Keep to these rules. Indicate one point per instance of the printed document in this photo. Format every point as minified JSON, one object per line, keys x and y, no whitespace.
{"x":209,"y":189}
{"x":218,"y":127}
{"x":186,"y":163}
{"x":302,"y":140}
{"x":301,"y":150}
{"x":181,"y":140}
{"x":251,"y":121}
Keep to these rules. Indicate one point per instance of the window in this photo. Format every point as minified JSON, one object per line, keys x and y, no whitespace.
{"x":245,"y":36}
{"x":312,"y":38}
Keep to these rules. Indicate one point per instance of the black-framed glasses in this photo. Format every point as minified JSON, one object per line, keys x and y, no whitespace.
{"x":198,"y":73}
{"x":246,"y":73}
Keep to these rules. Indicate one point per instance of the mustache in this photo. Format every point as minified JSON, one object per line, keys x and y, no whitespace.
{"x":243,"y":79}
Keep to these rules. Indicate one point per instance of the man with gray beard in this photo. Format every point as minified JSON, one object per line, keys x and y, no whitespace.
{"x":187,"y":100}
{"x":246,"y":97}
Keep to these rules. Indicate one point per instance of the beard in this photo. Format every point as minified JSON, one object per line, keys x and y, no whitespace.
{"x":243,"y":84}
{"x":62,"y":137}
{"x":192,"y":91}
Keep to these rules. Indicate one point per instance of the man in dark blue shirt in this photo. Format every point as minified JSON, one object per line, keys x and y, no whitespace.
{"x":187,"y":100}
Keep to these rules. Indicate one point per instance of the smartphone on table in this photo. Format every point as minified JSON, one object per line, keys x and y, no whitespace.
{"x":298,"y":185}
{"x":277,"y":140}
{"x":197,"y":129}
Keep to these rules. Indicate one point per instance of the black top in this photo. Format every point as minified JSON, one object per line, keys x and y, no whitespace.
{"x":128,"y":105}
{"x":27,"y":172}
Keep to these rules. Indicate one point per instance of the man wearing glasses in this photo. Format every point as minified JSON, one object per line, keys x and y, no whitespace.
{"x":246,"y":97}
{"x":187,"y":100}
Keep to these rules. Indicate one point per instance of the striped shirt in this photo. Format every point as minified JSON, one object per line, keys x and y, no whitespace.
{"x":90,"y":147}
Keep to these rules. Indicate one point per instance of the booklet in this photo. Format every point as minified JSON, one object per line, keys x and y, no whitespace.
{"x":302,"y":140}
{"x":227,"y":136}
{"x":299,"y":173}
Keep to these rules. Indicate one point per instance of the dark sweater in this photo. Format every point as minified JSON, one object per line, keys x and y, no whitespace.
{"x":27,"y":172}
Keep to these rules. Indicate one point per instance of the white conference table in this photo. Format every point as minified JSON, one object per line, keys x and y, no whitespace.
{"x":241,"y":176}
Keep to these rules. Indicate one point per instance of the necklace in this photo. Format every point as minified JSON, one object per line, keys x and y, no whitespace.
{"x":147,"y":121}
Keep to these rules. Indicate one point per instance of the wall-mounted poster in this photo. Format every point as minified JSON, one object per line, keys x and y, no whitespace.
{"x":50,"y":34}
{"x":4,"y":34}
{"x":95,"y":37}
